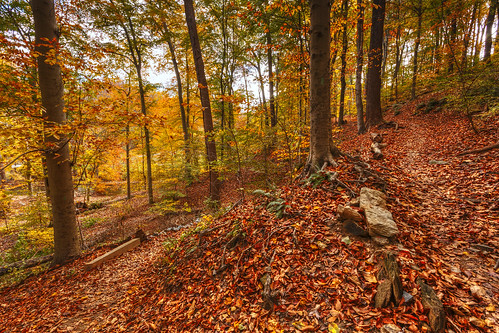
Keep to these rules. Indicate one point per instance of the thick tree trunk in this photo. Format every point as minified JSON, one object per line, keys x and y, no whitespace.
{"x":488,"y":33}
{"x":211,"y":150}
{"x":343,"y":57}
{"x":322,"y":150}
{"x":373,"y":83}
{"x":361,"y":127}
{"x":66,"y":241}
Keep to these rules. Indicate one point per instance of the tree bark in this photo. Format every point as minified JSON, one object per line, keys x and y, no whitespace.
{"x":211,"y":150}
{"x":270,"y":60}
{"x":185,"y":127}
{"x":361,"y":127}
{"x":373,"y":83}
{"x":343,"y":57}
{"x":488,"y":33}
{"x":66,"y":241}
{"x":322,"y":150}
{"x":419,"y":12}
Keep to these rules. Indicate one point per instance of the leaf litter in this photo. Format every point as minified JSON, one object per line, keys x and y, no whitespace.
{"x":250,"y":270}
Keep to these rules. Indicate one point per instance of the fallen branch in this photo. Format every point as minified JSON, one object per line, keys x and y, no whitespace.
{"x":23,"y":264}
{"x":480,"y":150}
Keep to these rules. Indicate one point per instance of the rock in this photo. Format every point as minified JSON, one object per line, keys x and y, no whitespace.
{"x":478,"y":291}
{"x":376,"y":137}
{"x":354,"y":229}
{"x":380,"y":222}
{"x":354,"y":202}
{"x":380,"y":240}
{"x":370,"y":197}
{"x":438,"y":162}
{"x":348,"y":213}
{"x":390,"y":328}
{"x":407,"y":297}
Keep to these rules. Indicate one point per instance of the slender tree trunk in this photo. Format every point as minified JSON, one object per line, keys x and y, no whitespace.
{"x":361,"y":127}
{"x":270,"y":60}
{"x":452,"y":44}
{"x":211,"y":150}
{"x":419,"y":12}
{"x":467,"y":37}
{"x":127,"y":147}
{"x":488,"y":33}
{"x":66,"y":241}
{"x":322,"y":150}
{"x":374,"y":115}
{"x":185,"y":127}
{"x":343,"y":57}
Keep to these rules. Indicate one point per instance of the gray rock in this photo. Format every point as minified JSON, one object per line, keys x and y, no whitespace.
{"x":380,"y":240}
{"x":370,"y":197}
{"x":348,"y":213}
{"x":390,"y":328}
{"x":380,"y":222}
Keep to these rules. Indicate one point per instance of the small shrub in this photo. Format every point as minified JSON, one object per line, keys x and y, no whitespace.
{"x":91,"y":221}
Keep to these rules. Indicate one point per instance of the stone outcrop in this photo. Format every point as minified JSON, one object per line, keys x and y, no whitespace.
{"x":379,"y":220}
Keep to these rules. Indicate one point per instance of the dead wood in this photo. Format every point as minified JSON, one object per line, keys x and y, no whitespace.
{"x":23,"y":264}
{"x":430,"y":301}
{"x":376,"y":150}
{"x":391,"y":287}
{"x":480,"y":150}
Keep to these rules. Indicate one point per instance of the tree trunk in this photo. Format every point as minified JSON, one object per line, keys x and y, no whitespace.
{"x":322,"y":149}
{"x":66,"y":241}
{"x":373,"y":79}
{"x":343,"y":64}
{"x":272,"y":109}
{"x":488,"y":33}
{"x":211,"y":150}
{"x":419,"y":12}
{"x":361,"y":127}
{"x":185,"y":127}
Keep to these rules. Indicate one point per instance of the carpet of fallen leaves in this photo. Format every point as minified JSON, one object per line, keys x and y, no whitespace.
{"x":212,"y":279}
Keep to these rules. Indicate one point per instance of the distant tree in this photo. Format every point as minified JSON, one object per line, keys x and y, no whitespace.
{"x":66,"y":241}
{"x":418,"y":9}
{"x":322,"y":149}
{"x":374,"y":115}
{"x":488,"y":33}
{"x":344,"y":48}
{"x":361,"y":127}
{"x":211,"y":150}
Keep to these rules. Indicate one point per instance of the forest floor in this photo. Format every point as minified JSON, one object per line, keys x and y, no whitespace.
{"x":212,"y":278}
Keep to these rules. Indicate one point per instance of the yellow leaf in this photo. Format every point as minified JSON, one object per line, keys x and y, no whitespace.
{"x":333,"y":328}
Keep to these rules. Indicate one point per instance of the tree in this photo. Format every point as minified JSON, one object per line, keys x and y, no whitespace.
{"x":361,"y":127}
{"x":211,"y":150}
{"x":373,"y":79}
{"x":66,"y":241}
{"x":322,"y":149}
{"x":418,"y":9}
{"x":488,"y":34}
{"x":344,"y":48}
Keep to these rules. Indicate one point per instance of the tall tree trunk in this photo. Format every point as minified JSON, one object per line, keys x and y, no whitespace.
{"x":452,"y":44}
{"x":322,"y":149}
{"x":488,"y":33}
{"x":361,"y":127}
{"x":136,"y":54}
{"x":204,"y":95}
{"x":185,"y":127}
{"x":270,"y":60}
{"x":419,"y":13}
{"x":373,"y":79}
{"x":467,"y":37}
{"x":66,"y":241}
{"x":343,"y":63}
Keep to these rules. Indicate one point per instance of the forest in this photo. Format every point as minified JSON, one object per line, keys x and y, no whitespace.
{"x":249,"y":166}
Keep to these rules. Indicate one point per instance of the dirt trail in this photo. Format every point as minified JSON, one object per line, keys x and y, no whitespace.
{"x":447,"y":206}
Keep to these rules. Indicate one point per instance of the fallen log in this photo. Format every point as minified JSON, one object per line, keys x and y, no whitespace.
{"x":480,"y":150}
{"x":113,"y":253}
{"x":23,"y":264}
